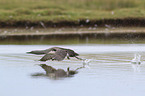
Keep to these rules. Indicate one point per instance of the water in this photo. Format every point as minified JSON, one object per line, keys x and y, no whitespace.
{"x":110,"y":73}
{"x":74,"y":35}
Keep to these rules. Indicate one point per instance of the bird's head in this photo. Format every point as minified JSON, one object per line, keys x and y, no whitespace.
{"x":42,"y":65}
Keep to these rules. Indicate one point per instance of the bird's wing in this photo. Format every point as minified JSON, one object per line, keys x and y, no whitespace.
{"x":70,"y":52}
{"x":60,"y":55}
{"x":47,"y":57}
{"x":39,"y":52}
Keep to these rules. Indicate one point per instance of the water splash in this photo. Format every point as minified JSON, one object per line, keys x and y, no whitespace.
{"x":136,"y":67}
{"x":86,"y":63}
{"x":136,"y":59}
{"x":136,"y":62}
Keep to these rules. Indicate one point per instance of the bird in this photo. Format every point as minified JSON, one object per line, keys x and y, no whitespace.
{"x":57,"y":73}
{"x":58,"y":54}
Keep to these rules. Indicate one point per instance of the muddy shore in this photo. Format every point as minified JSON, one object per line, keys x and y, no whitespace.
{"x":108,"y":34}
{"x":140,"y":22}
{"x":135,"y":30}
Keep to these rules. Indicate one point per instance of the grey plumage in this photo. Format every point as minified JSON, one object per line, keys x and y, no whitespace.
{"x":40,"y":52}
{"x":59,"y":55}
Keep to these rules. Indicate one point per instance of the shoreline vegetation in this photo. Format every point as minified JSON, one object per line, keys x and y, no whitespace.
{"x":125,"y":22}
{"x":71,"y":13}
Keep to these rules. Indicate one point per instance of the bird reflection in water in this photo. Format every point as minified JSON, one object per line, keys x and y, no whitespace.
{"x":136,"y":67}
{"x":55,"y":73}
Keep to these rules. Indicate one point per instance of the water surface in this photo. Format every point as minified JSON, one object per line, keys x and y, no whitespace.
{"x":74,"y":35}
{"x":110,"y":72}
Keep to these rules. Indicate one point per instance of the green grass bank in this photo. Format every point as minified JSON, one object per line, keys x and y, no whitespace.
{"x":57,"y":13}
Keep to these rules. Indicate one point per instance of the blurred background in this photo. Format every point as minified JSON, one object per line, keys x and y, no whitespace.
{"x":41,"y":18}
{"x":54,"y":11}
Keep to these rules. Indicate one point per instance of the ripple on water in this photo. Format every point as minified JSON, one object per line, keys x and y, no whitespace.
{"x":110,"y":72}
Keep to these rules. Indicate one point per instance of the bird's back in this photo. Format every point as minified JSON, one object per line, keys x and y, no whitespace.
{"x":60,"y":55}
